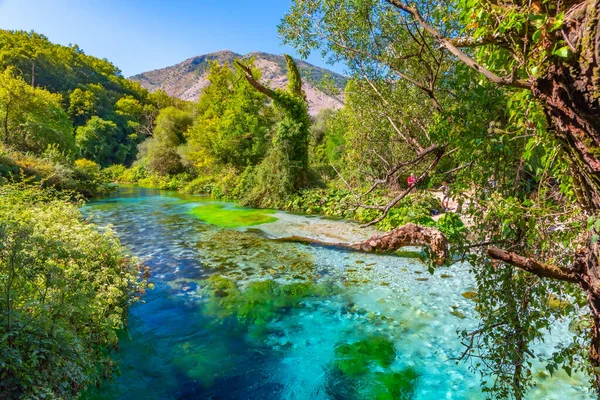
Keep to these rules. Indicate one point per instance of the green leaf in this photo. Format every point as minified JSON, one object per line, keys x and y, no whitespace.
{"x":558,"y":22}
{"x":562,"y":52}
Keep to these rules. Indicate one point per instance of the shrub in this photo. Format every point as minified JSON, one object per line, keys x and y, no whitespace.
{"x":114,"y":173}
{"x":52,"y":171}
{"x":68,"y":286}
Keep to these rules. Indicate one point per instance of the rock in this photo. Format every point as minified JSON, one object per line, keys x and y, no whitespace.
{"x":470,"y":295}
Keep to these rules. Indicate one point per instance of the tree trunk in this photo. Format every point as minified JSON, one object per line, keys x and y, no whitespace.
{"x":588,"y":269}
{"x":406,"y":235}
{"x":570,"y":94}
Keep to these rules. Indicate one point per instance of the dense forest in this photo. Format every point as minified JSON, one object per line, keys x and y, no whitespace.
{"x":500,"y":100}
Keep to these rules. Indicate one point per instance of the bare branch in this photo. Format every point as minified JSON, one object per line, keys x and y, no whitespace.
{"x":400,"y":166}
{"x":465,"y":59}
{"x":459,"y":168}
{"x":342,"y":178}
{"x":402,"y":75}
{"x":257,"y":85}
{"x":386,"y":209}
{"x":408,"y":139}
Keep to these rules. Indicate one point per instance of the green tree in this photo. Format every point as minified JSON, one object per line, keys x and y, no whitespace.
{"x":537,"y":61}
{"x":233,"y":121}
{"x":286,"y":168}
{"x":171,"y":126}
{"x":82,"y":104}
{"x":91,"y":86}
{"x":32,"y":118}
{"x":327,"y":137}
{"x":140,"y":117}
{"x":161,"y":151}
{"x":96,"y":141}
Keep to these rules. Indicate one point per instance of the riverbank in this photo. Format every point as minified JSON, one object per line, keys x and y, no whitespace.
{"x":422,"y":207}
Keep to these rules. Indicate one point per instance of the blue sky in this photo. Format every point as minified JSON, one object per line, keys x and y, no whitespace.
{"x":142,"y":35}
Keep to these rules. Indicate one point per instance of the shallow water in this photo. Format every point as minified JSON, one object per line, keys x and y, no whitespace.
{"x":236,"y":315}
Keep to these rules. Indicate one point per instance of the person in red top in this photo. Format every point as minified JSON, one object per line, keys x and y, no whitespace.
{"x":411,"y":180}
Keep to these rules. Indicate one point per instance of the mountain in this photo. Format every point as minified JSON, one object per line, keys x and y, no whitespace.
{"x":187,"y":79}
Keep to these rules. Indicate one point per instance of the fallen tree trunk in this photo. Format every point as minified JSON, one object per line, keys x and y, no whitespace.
{"x":406,"y":235}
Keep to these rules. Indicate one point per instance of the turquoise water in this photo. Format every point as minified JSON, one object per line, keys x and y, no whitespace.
{"x":237,"y":315}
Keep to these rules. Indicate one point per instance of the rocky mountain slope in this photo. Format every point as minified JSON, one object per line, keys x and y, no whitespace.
{"x":187,"y":79}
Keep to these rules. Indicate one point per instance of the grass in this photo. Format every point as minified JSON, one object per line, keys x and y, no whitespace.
{"x":217,"y":214}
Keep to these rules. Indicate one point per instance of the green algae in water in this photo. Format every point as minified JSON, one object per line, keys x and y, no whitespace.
{"x":391,"y":385}
{"x":219,"y":215}
{"x":363,"y":370}
{"x":355,"y":359}
{"x":204,"y":364}
{"x":259,"y":302}
{"x":408,"y":254}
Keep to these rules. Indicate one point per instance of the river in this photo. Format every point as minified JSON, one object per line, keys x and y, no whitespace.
{"x":237,"y":315}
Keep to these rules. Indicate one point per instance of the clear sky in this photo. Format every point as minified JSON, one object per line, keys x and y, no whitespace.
{"x":142,"y":35}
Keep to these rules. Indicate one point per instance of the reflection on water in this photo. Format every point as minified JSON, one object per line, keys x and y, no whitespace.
{"x":235,"y":315}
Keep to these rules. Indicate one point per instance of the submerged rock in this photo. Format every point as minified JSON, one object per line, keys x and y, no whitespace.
{"x":470,"y":295}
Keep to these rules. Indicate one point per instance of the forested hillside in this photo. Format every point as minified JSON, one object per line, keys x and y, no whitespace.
{"x":59,"y":96}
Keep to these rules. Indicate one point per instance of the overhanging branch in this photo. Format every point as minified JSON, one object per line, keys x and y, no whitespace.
{"x":530,"y":265}
{"x":393,"y":171}
{"x":440,"y":152}
{"x":447,"y":43}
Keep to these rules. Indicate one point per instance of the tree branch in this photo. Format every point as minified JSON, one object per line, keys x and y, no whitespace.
{"x":530,"y":265}
{"x":409,"y":139}
{"x":400,"y":166}
{"x":257,"y":85}
{"x":470,"y":42}
{"x":465,"y":59}
{"x":406,"y":235}
{"x":386,"y":209}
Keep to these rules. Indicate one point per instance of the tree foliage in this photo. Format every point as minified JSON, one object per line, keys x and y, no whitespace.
{"x":286,"y":167}
{"x":161,"y":152}
{"x":83,"y":86}
{"x":65,"y":289}
{"x":233,"y":123}
{"x":97,"y":140}
{"x":32,"y":118}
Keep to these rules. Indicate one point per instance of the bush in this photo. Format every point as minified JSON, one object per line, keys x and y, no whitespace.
{"x":114,"y":173}
{"x":200,"y":185}
{"x":134,"y":174}
{"x":53,"y":171}
{"x":68,"y":287}
{"x":452,"y":226}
